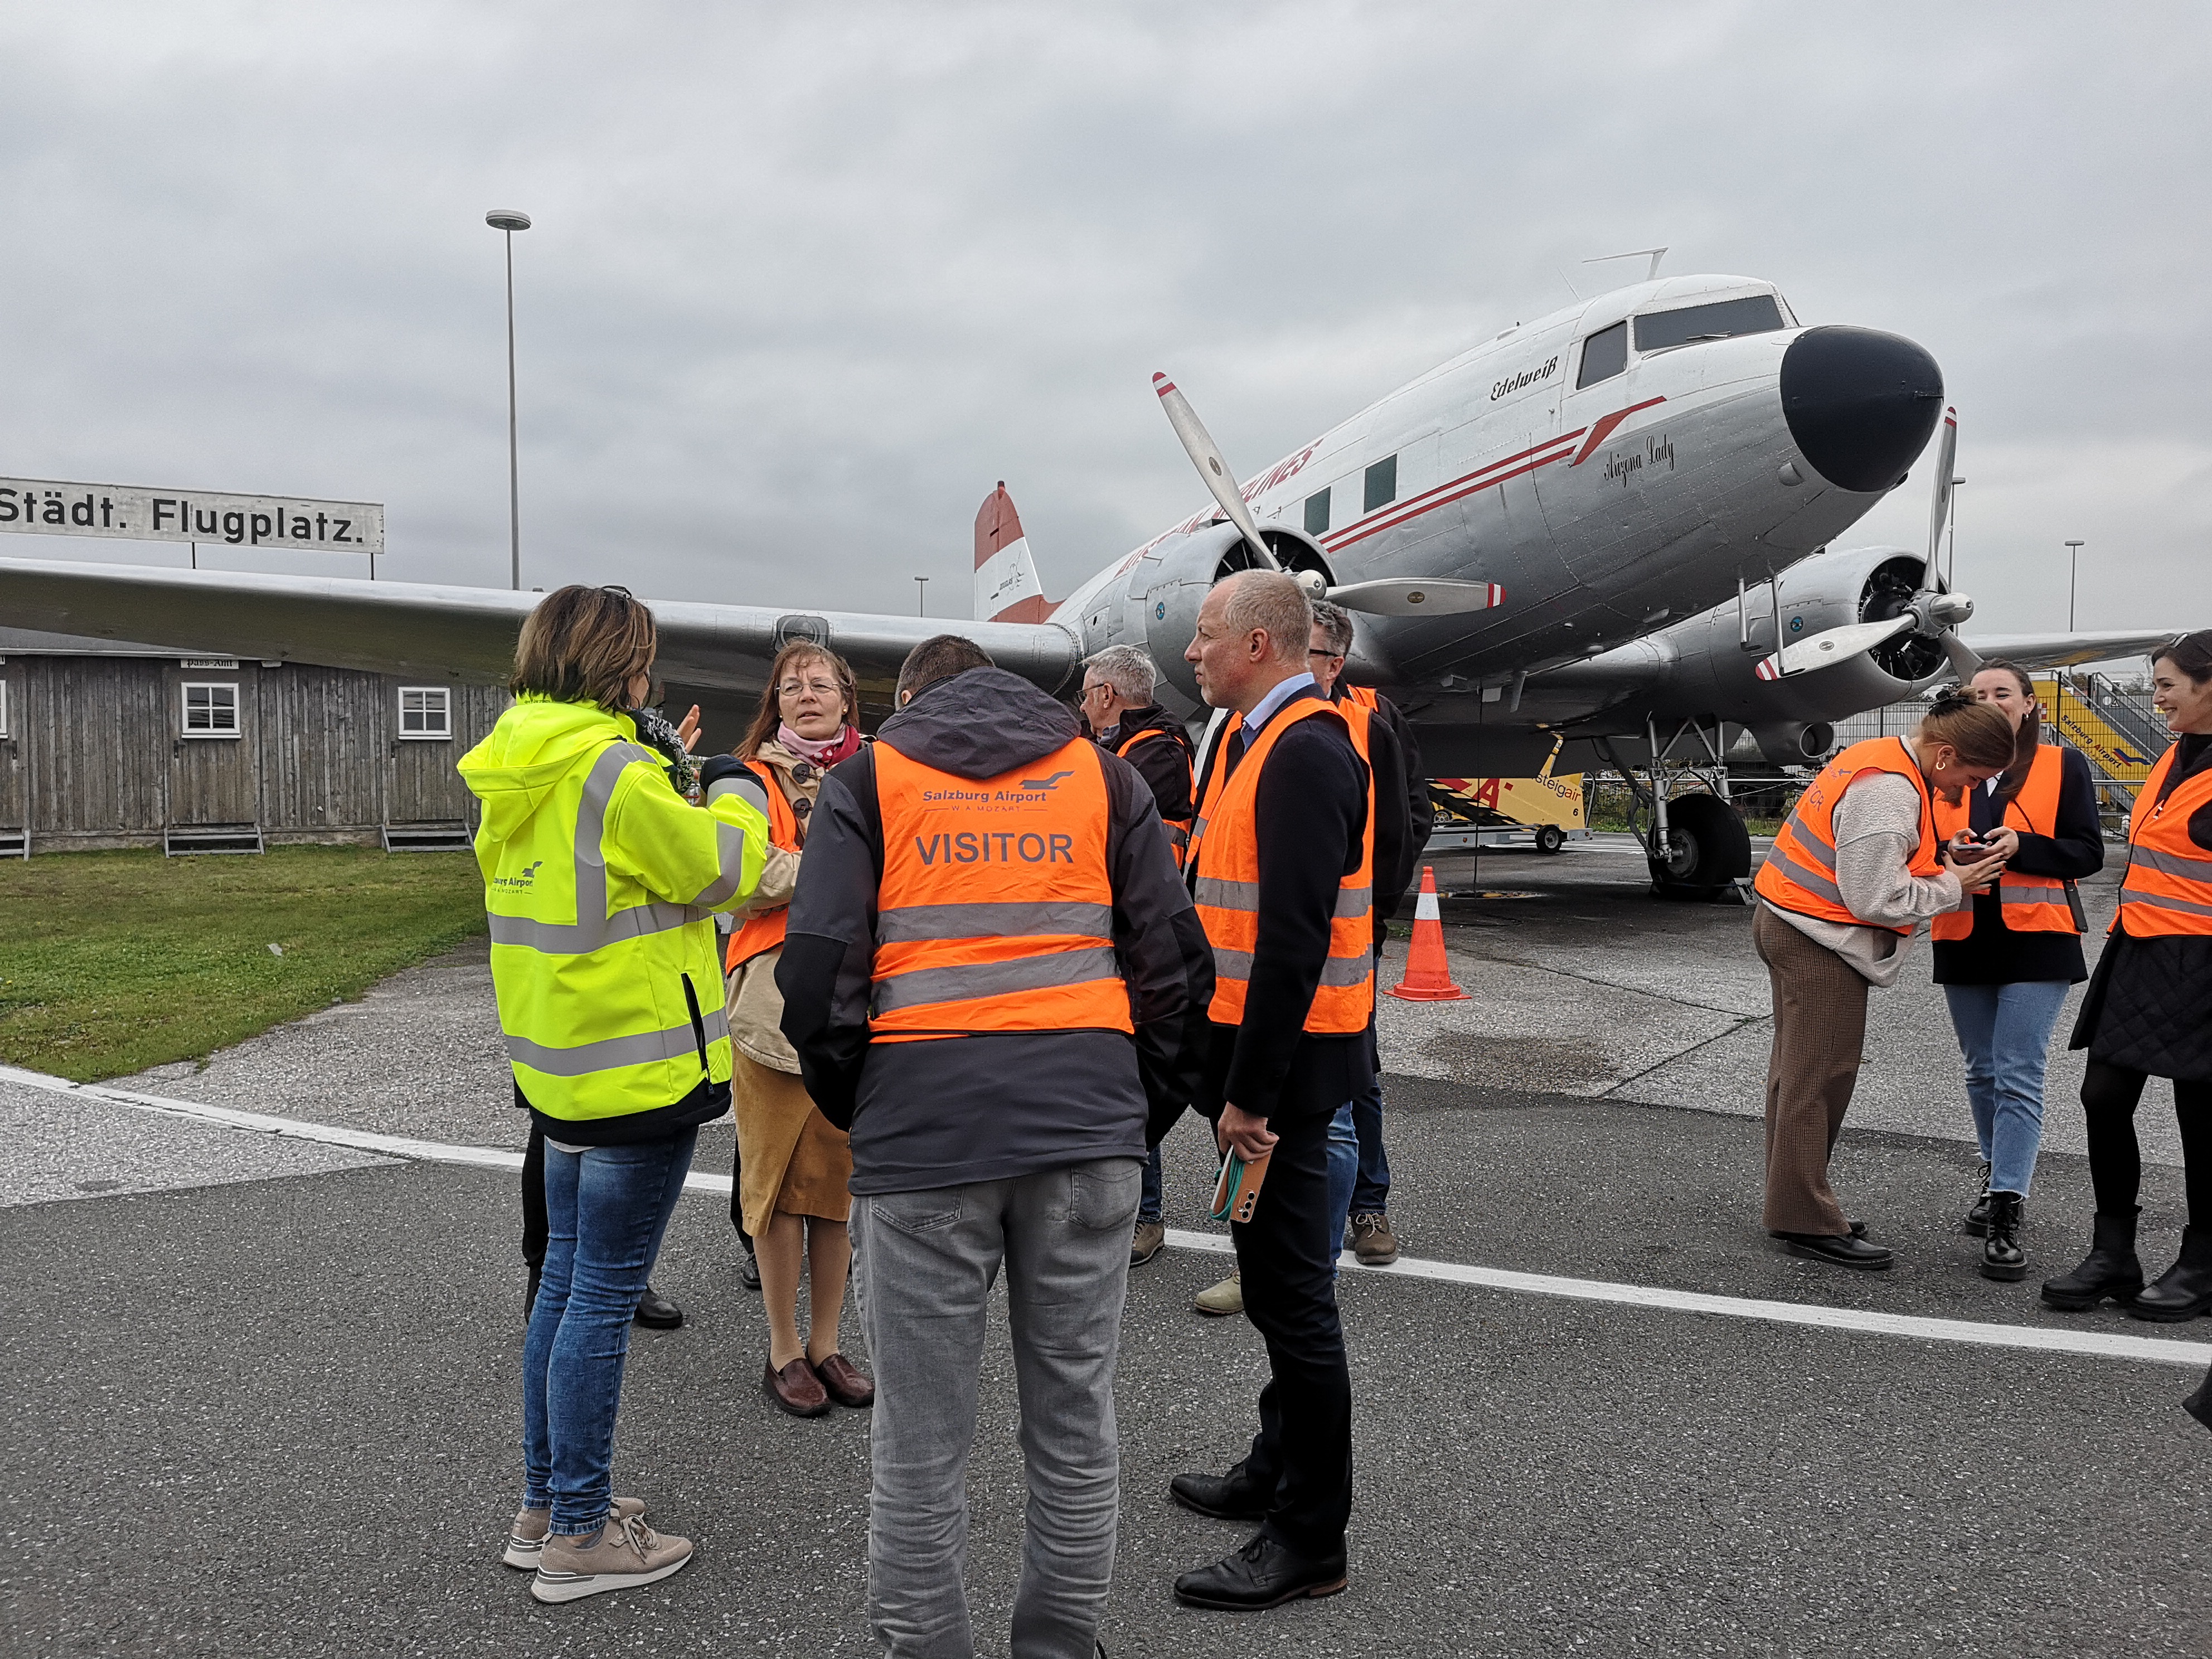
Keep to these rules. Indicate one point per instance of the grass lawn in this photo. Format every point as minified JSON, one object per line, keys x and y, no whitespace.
{"x":114,"y":961}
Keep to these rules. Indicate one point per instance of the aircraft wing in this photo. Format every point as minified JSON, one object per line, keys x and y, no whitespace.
{"x":2066,"y":650}
{"x":466,"y":633}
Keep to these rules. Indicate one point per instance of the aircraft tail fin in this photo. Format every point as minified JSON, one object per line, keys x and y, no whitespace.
{"x":1006,"y":584}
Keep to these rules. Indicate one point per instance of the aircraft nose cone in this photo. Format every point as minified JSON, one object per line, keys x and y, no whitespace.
{"x":1860,"y":404}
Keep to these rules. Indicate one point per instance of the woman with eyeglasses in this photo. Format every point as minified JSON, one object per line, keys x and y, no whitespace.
{"x":793,"y":1166}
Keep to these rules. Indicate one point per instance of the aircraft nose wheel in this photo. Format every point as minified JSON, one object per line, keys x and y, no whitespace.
{"x":1707,"y":849}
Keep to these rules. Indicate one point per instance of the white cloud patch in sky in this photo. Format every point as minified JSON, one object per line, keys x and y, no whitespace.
{"x":805,"y":283}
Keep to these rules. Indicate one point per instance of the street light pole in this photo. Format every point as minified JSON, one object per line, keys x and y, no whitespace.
{"x":508,"y":221}
{"x":2073,"y":566}
{"x":921,"y":590}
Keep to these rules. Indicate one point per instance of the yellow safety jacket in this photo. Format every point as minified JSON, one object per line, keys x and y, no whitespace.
{"x":599,"y":882}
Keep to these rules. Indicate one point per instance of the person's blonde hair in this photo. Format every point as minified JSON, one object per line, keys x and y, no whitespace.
{"x":584,"y":645}
{"x":1980,"y":736}
{"x":771,"y":716}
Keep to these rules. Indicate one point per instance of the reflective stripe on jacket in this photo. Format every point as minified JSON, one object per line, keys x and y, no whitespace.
{"x":765,"y":933}
{"x":1178,"y":828}
{"x":1800,"y":871}
{"x":2168,"y":886}
{"x":995,"y":911}
{"x":2026,"y":904}
{"x":1225,"y":858}
{"x":599,"y":884}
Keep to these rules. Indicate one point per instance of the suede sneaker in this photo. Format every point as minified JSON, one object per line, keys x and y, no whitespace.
{"x":526,"y":1539}
{"x":1372,"y":1241}
{"x":1227,"y":1298}
{"x":1145,"y":1242}
{"x":622,"y":1555}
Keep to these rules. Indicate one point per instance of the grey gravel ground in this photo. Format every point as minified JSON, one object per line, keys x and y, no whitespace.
{"x":272,"y":1411}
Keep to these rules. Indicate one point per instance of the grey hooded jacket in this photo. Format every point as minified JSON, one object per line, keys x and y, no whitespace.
{"x":994,"y":1105}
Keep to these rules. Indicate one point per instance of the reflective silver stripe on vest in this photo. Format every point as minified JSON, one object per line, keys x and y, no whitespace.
{"x":594,"y":927}
{"x":730,"y":855}
{"x":1811,"y":880}
{"x":2161,"y":902}
{"x":1336,"y":970}
{"x":677,"y":1043}
{"x":2031,"y":895}
{"x":1351,"y":902}
{"x":994,"y":921}
{"x":966,"y":981}
{"x":1824,"y":857}
{"x":2173,"y":864}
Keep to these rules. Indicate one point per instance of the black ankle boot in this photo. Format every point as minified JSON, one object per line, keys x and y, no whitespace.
{"x":2110,"y":1268}
{"x":1977,"y":1223}
{"x":2002,"y":1256}
{"x":2184,"y":1290}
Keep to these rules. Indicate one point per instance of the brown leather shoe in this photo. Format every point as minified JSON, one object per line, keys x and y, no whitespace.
{"x":847,"y":1383}
{"x":795,"y":1388}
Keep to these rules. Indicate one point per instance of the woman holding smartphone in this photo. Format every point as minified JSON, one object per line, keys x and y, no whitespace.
{"x":2006,"y":962}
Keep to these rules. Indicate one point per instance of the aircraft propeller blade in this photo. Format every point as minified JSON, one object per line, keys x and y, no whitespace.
{"x":1963,"y":663}
{"x":1939,"y":511}
{"x":1207,"y":457}
{"x":1837,"y":644}
{"x":1403,"y":596}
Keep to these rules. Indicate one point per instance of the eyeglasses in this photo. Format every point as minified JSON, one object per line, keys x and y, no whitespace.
{"x":1334,"y":656}
{"x":821,"y":688}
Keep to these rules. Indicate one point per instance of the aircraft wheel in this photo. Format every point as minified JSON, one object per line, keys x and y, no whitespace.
{"x":1707,"y":847}
{"x":1550,"y":838}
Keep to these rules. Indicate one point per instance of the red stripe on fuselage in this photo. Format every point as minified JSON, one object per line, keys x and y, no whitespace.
{"x":1604,"y":429}
{"x":1470,"y":483}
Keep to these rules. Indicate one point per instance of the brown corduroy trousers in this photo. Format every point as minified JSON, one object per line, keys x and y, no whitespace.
{"x":1819,"y":1024}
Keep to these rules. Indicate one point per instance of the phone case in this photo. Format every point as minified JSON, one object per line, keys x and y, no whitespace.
{"x":1236,"y":1195}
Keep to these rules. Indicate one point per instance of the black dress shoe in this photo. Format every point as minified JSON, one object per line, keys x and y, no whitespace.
{"x":749,"y":1272}
{"x":1228,"y":1497}
{"x":1843,"y":1249}
{"x":656,"y":1312}
{"x":1263,"y":1574}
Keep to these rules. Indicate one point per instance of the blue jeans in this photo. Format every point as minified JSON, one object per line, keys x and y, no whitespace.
{"x":2004,"y":1031}
{"x":1343,"y":1175}
{"x":1371,"y":1196}
{"x":606,"y":1208}
{"x":1148,"y":1192}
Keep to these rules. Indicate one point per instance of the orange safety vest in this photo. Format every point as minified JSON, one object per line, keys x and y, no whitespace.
{"x":2026,"y":904}
{"x":1799,"y":872}
{"x":2167,"y":887}
{"x":1178,"y":828}
{"x":995,"y":911}
{"x":1225,"y":850}
{"x":765,"y":933}
{"x":1365,"y":695}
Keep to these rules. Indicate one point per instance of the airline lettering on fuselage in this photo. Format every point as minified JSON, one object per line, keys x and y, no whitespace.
{"x":1527,"y":377}
{"x":1658,"y":451}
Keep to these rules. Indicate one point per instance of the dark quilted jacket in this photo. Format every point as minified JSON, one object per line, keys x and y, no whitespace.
{"x":2149,"y":1006}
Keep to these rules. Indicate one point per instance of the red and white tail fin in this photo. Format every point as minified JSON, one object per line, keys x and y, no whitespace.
{"x":1006,"y":585}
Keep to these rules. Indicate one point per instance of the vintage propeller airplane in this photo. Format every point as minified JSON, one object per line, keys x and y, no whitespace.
{"x":1609,"y":526}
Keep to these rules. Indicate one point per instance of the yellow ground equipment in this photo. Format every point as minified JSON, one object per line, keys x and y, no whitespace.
{"x":1542,"y":811}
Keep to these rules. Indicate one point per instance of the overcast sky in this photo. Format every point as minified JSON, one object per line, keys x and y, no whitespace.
{"x":806,"y":281}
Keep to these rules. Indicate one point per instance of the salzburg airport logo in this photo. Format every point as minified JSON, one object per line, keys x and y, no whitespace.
{"x":528,"y":876}
{"x":1052,"y":782}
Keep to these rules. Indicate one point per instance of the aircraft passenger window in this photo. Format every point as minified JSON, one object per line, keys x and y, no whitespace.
{"x":1382,"y":483}
{"x":1317,"y":513}
{"x":1605,"y":354}
{"x":1755,"y":314}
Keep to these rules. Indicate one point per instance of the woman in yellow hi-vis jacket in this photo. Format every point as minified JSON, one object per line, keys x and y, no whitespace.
{"x":600,"y":884}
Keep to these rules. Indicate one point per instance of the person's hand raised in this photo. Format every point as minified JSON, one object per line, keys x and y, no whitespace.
{"x":687,"y":729}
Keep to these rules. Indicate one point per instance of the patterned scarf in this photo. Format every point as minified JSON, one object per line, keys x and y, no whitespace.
{"x":655,"y":731}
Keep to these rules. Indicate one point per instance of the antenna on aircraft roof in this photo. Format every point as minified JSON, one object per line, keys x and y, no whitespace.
{"x":1655,"y":253}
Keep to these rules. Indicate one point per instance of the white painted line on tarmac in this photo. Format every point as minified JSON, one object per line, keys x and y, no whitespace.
{"x":2093,"y":1343}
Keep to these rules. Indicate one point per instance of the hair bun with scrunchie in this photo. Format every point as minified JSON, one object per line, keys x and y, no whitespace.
{"x":1952,"y":699}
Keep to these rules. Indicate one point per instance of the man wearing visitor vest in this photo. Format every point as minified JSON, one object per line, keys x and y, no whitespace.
{"x":992,"y":976}
{"x":1281,"y":863}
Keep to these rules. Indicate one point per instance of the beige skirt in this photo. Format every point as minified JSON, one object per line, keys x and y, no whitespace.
{"x":790,"y":1157}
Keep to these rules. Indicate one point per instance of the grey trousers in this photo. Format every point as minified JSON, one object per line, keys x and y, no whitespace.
{"x":925,"y":1263}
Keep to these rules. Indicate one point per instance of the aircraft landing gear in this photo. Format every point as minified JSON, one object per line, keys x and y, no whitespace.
{"x":1694,"y":843}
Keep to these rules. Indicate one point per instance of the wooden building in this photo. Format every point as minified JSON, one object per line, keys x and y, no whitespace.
{"x":106,"y":745}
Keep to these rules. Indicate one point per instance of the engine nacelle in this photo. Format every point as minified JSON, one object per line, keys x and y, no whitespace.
{"x":1794,"y":742}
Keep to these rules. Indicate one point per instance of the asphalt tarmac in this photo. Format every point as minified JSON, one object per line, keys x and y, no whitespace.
{"x":263,"y":1391}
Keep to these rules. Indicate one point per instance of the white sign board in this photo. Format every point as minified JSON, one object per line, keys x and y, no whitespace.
{"x":39,"y":507}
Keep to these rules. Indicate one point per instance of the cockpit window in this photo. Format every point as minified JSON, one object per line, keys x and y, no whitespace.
{"x":1755,"y":314}
{"x":1605,"y":354}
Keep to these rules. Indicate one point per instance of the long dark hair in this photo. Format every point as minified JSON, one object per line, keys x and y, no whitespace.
{"x":2014,"y":778}
{"x":769,"y":717}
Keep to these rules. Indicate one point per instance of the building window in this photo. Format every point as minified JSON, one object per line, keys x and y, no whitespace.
{"x":1605,"y":354}
{"x":1382,"y":484}
{"x":1317,"y":513}
{"x":426,"y":712}
{"x":4,"y":707}
{"x":210,"y":709}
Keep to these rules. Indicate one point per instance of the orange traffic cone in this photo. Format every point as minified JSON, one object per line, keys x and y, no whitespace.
{"x":1428,"y":976}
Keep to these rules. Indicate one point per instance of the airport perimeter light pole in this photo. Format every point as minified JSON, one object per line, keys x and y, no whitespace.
{"x":2073,"y":566}
{"x":507,"y":221}
{"x":920,"y":593}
